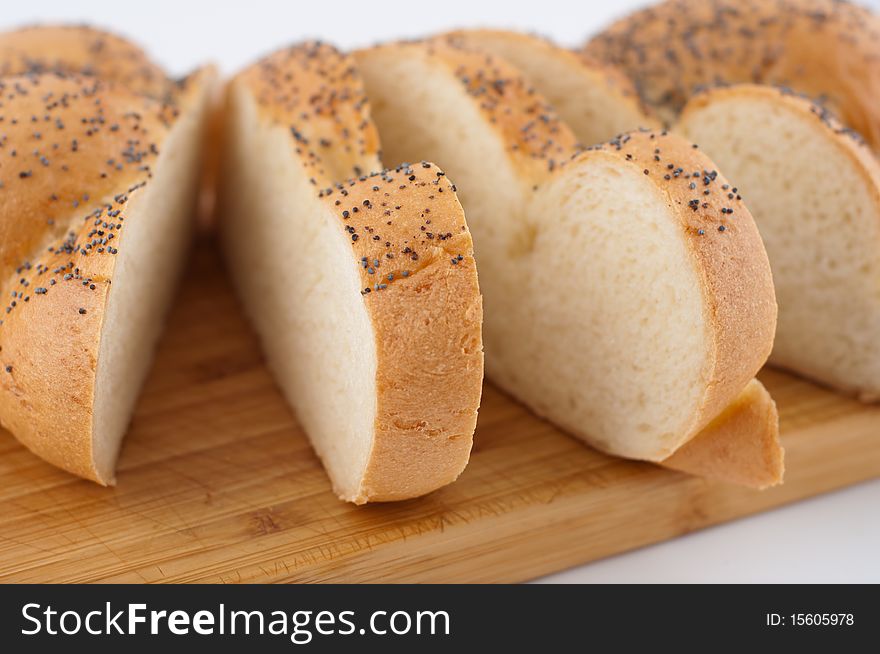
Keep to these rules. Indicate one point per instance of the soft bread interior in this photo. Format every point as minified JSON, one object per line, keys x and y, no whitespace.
{"x":292,"y":263}
{"x":593,"y":313}
{"x":816,"y":205}
{"x":595,"y":101}
{"x":152,"y":251}
{"x":613,"y":305}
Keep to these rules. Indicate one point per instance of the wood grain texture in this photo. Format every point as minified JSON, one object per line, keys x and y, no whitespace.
{"x":218,"y":484}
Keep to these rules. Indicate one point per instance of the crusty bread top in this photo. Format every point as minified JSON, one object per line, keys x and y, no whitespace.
{"x":729,"y":255}
{"x":537,"y":140}
{"x":82,"y":50}
{"x":315,"y":91}
{"x":72,"y":150}
{"x":74,"y":130}
{"x":593,"y":71}
{"x":603,"y":73}
{"x":825,"y":48}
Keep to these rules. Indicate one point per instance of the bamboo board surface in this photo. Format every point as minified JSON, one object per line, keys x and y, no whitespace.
{"x":218,"y":484}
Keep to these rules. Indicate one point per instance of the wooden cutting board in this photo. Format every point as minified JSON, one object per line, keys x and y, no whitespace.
{"x":218,"y":484}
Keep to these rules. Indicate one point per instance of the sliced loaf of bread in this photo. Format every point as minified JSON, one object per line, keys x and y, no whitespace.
{"x":627,"y":298}
{"x":814,"y":188}
{"x":359,"y":280}
{"x":97,"y":185}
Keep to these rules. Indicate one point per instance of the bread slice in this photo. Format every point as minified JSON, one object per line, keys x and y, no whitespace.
{"x":615,"y":306}
{"x":814,"y":188}
{"x":826,"y":49}
{"x":595,"y":100}
{"x":97,"y":187}
{"x":360,"y":281}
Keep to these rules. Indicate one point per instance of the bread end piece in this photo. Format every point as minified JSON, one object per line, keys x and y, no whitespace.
{"x":741,"y":446}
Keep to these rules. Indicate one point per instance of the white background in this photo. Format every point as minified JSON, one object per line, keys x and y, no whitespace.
{"x":832,"y":538}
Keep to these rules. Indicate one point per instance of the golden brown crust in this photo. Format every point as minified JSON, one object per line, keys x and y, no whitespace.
{"x":824,"y":48}
{"x":425,"y":304}
{"x":81,"y":50}
{"x":534,"y":136}
{"x":75,"y":150}
{"x":593,"y":71}
{"x":741,"y":446}
{"x":315,"y":90}
{"x":537,"y":140}
{"x":728,"y":254}
{"x":419,"y":280}
{"x":89,"y":52}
